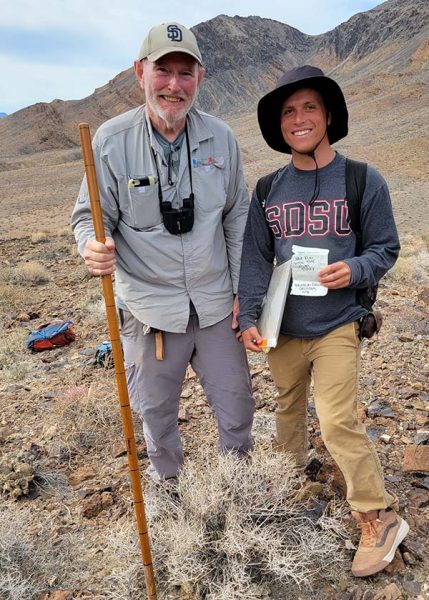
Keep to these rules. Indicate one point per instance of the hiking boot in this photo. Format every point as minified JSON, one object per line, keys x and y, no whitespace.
{"x":382,"y":532}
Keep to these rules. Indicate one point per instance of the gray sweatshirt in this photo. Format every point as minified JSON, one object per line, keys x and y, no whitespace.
{"x":289,"y":220}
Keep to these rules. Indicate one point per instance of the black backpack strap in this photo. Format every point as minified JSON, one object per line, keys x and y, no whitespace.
{"x":355,"y":188}
{"x":263,"y":187}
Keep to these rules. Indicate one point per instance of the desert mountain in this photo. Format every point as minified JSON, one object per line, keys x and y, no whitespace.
{"x":387,"y":48}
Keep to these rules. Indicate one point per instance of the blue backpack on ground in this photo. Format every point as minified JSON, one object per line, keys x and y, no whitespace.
{"x":104,"y":356}
{"x":51,"y":335}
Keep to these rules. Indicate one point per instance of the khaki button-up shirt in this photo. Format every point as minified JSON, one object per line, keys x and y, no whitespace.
{"x":158,"y":273}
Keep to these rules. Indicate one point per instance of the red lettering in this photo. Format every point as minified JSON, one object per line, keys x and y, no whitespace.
{"x":318,"y":222}
{"x":272,"y":214}
{"x":342,"y":221}
{"x":295,"y":219}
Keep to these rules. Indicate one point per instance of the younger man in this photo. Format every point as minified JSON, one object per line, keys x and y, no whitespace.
{"x":306,"y":209}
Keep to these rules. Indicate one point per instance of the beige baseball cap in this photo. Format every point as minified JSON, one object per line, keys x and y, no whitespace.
{"x":166,"y":38}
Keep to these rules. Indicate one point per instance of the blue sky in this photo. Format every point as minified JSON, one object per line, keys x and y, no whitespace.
{"x":66,"y":48}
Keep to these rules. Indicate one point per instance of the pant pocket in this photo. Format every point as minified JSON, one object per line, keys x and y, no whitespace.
{"x":132,"y":375}
{"x":130,"y":326}
{"x":356,"y":329}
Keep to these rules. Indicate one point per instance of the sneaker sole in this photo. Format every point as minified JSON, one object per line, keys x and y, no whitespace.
{"x":403,"y":530}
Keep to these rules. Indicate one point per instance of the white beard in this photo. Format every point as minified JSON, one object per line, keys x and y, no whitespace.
{"x":169,"y":119}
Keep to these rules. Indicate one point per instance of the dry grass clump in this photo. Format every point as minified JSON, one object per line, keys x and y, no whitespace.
{"x":50,"y":482}
{"x":14,"y":360}
{"x":232,"y":529}
{"x":13,"y":297}
{"x":64,"y":231}
{"x":53,"y":249}
{"x":412,"y":266}
{"x":21,"y":576}
{"x":39,"y":236}
{"x":32,"y":272}
{"x":59,"y":247}
{"x":96,"y":312}
{"x":425,"y":238}
{"x":412,"y":245}
{"x":411,"y":270}
{"x":85,"y":417}
{"x":32,"y":565}
{"x":264,"y":428}
{"x":126,"y":580}
{"x":92,"y":297}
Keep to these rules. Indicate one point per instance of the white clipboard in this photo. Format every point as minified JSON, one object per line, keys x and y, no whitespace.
{"x":273,"y":305}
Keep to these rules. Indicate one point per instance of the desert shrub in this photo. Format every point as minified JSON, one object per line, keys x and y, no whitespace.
{"x":231,"y":529}
{"x":50,"y":482}
{"x":411,"y":270}
{"x":264,"y":427}
{"x":96,"y":312}
{"x":126,"y":580}
{"x":20,"y":572}
{"x":58,"y":247}
{"x":412,"y":245}
{"x":64,"y":232}
{"x":39,"y":236}
{"x":92,"y":296}
{"x":13,"y":297}
{"x":32,"y":272}
{"x":425,"y":238}
{"x":412,"y":266}
{"x":7,"y":275}
{"x":85,"y":417}
{"x":14,"y":360}
{"x":29,"y":564}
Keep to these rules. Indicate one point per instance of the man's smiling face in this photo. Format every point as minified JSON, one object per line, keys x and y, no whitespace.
{"x":304,"y":120}
{"x":170,"y":85}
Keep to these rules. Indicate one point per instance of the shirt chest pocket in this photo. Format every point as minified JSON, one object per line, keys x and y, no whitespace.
{"x":144,"y":206}
{"x":209,"y":177}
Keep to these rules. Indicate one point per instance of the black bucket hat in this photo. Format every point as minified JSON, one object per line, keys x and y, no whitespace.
{"x":307,"y":76}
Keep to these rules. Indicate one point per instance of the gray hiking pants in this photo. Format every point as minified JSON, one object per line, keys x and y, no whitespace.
{"x":154,"y":386}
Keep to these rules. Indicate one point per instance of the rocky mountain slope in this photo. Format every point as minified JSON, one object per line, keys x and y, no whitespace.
{"x":243,"y":57}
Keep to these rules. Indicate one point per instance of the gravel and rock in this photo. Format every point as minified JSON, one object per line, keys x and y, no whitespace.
{"x":63,"y":456}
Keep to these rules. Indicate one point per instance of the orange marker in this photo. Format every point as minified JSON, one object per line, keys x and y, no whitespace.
{"x":264,"y":345}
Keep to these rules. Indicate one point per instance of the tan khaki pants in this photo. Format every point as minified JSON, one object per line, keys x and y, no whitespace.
{"x":333,"y":361}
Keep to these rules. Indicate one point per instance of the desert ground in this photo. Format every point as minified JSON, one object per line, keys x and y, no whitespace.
{"x":64,"y":489}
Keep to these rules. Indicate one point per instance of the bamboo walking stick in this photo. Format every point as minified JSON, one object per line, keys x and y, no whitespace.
{"x":127,"y":419}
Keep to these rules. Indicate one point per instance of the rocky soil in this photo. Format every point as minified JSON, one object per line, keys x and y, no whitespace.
{"x":62,"y":455}
{"x":63,"y":470}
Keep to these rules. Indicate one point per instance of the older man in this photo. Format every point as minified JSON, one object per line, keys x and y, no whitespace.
{"x":175,"y":205}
